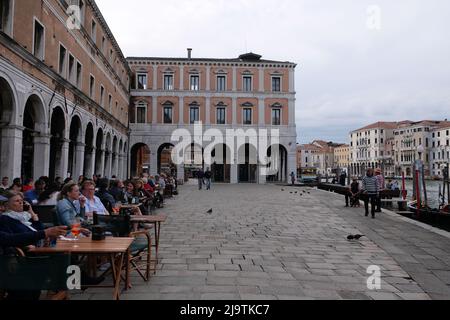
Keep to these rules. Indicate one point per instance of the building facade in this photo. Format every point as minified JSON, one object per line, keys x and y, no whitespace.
{"x":342,"y":157}
{"x":395,"y":146}
{"x":63,"y":92}
{"x":371,"y":147}
{"x":439,"y":153}
{"x":247,"y":94}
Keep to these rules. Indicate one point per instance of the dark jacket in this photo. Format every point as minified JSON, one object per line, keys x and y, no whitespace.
{"x":20,"y":239}
{"x":11,"y":227}
{"x":106,"y":197}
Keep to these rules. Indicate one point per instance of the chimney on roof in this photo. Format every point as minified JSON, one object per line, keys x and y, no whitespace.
{"x":189,"y":50}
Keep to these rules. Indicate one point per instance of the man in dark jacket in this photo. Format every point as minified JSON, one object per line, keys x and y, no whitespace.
{"x":200,"y":176}
{"x":208,"y":176}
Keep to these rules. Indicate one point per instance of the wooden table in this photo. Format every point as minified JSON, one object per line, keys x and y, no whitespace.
{"x":156,"y":220}
{"x":130,"y":206}
{"x":116,"y":248}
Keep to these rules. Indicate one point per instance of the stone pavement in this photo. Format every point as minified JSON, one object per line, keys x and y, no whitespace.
{"x":264,"y":243}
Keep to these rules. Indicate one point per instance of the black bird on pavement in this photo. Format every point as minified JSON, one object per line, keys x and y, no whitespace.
{"x":282,"y":189}
{"x":210,"y":211}
{"x":355,"y":237}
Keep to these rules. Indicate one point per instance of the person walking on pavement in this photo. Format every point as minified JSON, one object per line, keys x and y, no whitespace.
{"x":381,"y":186}
{"x":370,"y":189}
{"x":208,"y":176}
{"x":200,"y":176}
{"x":292,"y":178}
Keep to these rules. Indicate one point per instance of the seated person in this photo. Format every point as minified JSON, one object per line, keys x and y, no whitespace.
{"x":105,"y":197}
{"x":93,"y":203}
{"x":66,"y":210}
{"x":16,"y":221}
{"x":32,"y":196}
{"x":3,"y":201}
{"x":50,"y":196}
{"x":117,"y":190}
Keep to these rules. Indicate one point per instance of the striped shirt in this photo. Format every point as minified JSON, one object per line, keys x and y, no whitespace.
{"x":370,"y":184}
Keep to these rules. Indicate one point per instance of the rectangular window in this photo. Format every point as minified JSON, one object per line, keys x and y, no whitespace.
{"x":247,"y":84}
{"x":94,"y":31}
{"x":102,"y":96}
{"x":6,"y":16}
{"x":220,"y":115}
{"x":276,"y":117}
{"x":62,"y":61}
{"x":71,"y":68}
{"x":79,"y":74}
{"x":39,"y":40}
{"x":168,"y":115}
{"x":247,"y":116}
{"x":195,"y":83}
{"x":92,"y":87}
{"x":221,"y":83}
{"x":142,"y":81}
{"x":140,"y":114}
{"x":110,"y":103}
{"x":193,"y":115}
{"x":276,"y":84}
{"x":168,"y":82}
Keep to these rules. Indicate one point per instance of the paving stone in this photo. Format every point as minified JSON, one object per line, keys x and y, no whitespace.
{"x":300,"y":253}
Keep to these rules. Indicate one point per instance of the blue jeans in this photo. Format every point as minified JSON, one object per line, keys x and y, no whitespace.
{"x":200,"y":184}
{"x":208,"y":184}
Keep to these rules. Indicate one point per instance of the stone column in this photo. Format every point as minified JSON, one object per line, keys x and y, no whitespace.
{"x":89,"y":170}
{"x":155,"y":78}
{"x":11,"y":152}
{"x":292,"y":80}
{"x":108,"y":164}
{"x":154,"y":110}
{"x":291,"y":112}
{"x":153,"y":164}
{"x":79,"y":160}
{"x":208,"y":111}
{"x":234,"y":173}
{"x":262,"y":179}
{"x":261,"y":112}
{"x":208,"y":78}
{"x":234,"y":79}
{"x":64,"y":164}
{"x":181,"y":111}
{"x":180,"y":172}
{"x":116,"y":171}
{"x":261,"y":79}
{"x":234,"y":111}
{"x":181,"y":78}
{"x":101,"y":169}
{"x":41,"y":156}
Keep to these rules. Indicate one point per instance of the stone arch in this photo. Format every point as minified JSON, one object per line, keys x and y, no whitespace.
{"x":99,"y":152}
{"x":58,"y":144}
{"x":140,"y":159}
{"x":278,"y":163}
{"x":75,"y":140}
{"x":34,"y":153}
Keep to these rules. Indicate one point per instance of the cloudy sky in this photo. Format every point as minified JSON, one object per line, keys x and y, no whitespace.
{"x":351,"y":70}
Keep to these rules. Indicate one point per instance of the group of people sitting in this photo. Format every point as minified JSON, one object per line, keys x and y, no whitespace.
{"x":74,"y":201}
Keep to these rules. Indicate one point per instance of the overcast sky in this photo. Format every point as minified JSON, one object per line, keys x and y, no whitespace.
{"x":349,"y":73}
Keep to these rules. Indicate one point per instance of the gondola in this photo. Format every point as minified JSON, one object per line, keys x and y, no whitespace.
{"x":429,"y":215}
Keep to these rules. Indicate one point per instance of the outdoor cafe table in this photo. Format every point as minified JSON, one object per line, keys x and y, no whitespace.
{"x":156,"y":220}
{"x":114,"y":247}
